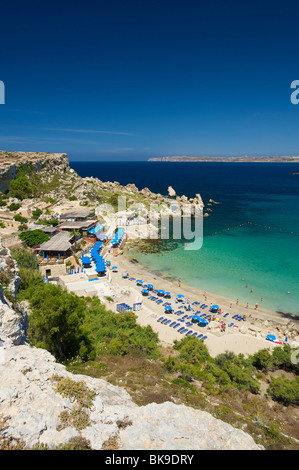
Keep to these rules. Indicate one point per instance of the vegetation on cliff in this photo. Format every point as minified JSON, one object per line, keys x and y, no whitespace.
{"x":69,"y":326}
{"x":92,"y":340}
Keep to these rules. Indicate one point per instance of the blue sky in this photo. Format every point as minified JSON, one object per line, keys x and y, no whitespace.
{"x":127,"y":80}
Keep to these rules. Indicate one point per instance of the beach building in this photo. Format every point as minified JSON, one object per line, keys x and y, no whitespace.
{"x":75,"y":216}
{"x":81,"y":226}
{"x":54,"y":252}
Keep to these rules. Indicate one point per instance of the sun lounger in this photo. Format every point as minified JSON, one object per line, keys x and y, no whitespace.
{"x":160,"y":319}
{"x":199,"y":336}
{"x":176,"y":325}
{"x":194,"y":334}
{"x":226,"y":315}
{"x":159,"y":302}
{"x":205,"y":337}
{"x":189,"y":333}
{"x":173,"y":323}
{"x":167,"y":323}
{"x":184,"y":317}
{"x":180,"y":329}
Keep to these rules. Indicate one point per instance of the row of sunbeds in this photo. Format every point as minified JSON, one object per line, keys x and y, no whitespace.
{"x":182,"y":329}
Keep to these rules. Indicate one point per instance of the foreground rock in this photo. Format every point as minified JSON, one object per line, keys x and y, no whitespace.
{"x":29,"y":399}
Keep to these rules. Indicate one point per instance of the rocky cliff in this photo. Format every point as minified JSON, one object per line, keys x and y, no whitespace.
{"x":41,"y":402}
{"x":40,"y":162}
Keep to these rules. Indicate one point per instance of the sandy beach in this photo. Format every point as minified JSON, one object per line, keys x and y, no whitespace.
{"x":245,"y":337}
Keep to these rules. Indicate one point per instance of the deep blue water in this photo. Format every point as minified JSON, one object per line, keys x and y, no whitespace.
{"x":258,"y":203}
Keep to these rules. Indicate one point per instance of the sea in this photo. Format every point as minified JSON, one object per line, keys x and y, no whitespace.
{"x":250,"y":247}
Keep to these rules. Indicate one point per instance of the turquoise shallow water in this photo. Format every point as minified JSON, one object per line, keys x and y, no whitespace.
{"x":252,"y":235}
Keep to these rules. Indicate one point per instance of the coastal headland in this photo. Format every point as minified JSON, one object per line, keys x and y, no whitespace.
{"x":228,"y":159}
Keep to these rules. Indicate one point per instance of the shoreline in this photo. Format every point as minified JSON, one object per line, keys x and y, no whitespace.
{"x":212,"y":295}
{"x":246,"y":337}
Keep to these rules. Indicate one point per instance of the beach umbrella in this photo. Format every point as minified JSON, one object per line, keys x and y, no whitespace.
{"x":202,"y":321}
{"x":271,"y":337}
{"x":214,"y":308}
{"x":150,"y":286}
{"x":180,"y":297}
{"x":168,"y":308}
{"x":195,"y":318}
{"x":167,"y":294}
{"x":139,"y":281}
{"x":160,"y":292}
{"x":145,"y":291}
{"x":114,"y":268}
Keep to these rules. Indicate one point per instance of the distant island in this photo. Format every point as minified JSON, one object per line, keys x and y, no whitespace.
{"x":245,"y":158}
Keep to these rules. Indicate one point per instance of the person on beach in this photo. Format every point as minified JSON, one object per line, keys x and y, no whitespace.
{"x":247,"y":305}
{"x":246,"y":285}
{"x":237,"y":301}
{"x":179,"y":282}
{"x":256,"y":306}
{"x":251,"y":290}
{"x":262,"y":300}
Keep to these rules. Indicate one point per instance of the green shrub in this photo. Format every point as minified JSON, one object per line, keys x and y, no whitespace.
{"x":36,"y":213}
{"x":19,"y":218}
{"x":21,"y":187}
{"x":284,"y":390}
{"x":14,"y":206}
{"x":34,"y":237}
{"x":192,"y":351}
